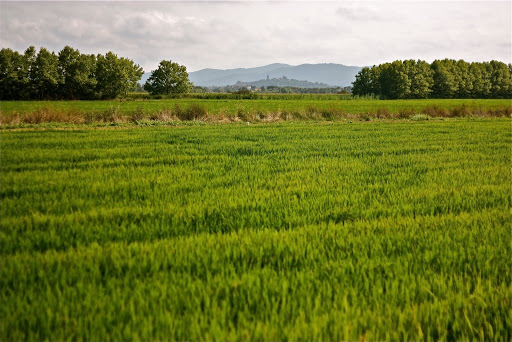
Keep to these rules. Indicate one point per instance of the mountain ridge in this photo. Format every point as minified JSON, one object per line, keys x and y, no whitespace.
{"x":281,"y":82}
{"x":331,"y":74}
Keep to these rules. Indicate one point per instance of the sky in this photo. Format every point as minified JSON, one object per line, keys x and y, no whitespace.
{"x":232,"y":34}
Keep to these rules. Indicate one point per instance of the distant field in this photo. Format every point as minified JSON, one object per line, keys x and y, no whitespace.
{"x":289,"y":231}
{"x":260,"y":106}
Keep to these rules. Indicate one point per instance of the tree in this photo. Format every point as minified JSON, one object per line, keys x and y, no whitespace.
{"x":116,"y":76}
{"x":500,"y":80}
{"x":10,"y":63}
{"x":367,"y":81}
{"x":25,"y":90}
{"x":394,"y":80}
{"x":446,"y":84}
{"x":445,"y":78}
{"x":363,"y":83}
{"x":131,"y":74}
{"x":68,"y":58}
{"x":465,"y":80}
{"x":76,"y":74}
{"x":85,"y":76}
{"x":44,"y":74}
{"x":168,"y":78}
{"x":67,"y":75}
{"x":480,"y":73}
{"x":421,"y":77}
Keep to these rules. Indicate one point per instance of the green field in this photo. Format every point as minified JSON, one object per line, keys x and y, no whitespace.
{"x":235,"y":107}
{"x":286,"y":231}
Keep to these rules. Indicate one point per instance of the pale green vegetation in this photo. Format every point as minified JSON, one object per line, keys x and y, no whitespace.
{"x":262,"y":108}
{"x":288,"y":231}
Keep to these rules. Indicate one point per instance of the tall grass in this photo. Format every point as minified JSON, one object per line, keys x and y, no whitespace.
{"x":289,"y":231}
{"x":248,"y":111}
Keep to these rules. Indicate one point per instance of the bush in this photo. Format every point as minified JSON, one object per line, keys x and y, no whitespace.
{"x":138,"y":114}
{"x":365,"y":117}
{"x":311,"y":111}
{"x":383,"y":113}
{"x":435,"y":111}
{"x":178,"y":111}
{"x":194,"y":112}
{"x":406,"y":113}
{"x":461,"y":111}
{"x":113,"y":114}
{"x":43,"y":115}
{"x":420,"y":117}
{"x":500,"y":112}
{"x":332,"y":113}
{"x":162,"y":116}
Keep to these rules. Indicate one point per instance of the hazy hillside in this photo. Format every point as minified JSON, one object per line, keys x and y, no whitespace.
{"x":283,"y":82}
{"x":332,"y":74}
{"x":328,"y":74}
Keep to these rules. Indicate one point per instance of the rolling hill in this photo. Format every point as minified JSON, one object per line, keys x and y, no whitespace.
{"x":326,"y":73}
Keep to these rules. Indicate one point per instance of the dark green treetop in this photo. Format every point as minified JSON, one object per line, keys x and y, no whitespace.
{"x":168,"y":78}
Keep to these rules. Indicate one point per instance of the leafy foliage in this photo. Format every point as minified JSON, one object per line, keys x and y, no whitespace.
{"x":68,"y":75}
{"x":168,"y":78}
{"x":44,"y":74}
{"x":116,"y":75}
{"x":446,"y":78}
{"x":77,"y":74}
{"x":15,"y":73}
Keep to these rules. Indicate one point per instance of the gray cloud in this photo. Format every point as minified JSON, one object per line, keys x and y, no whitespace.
{"x":363,"y":11}
{"x":246,"y":34}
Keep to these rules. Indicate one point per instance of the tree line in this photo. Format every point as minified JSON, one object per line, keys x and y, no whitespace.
{"x":69,"y":74}
{"x":445,"y":78}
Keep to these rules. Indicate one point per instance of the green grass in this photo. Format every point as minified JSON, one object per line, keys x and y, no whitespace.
{"x":233,"y":107}
{"x":292,"y":231}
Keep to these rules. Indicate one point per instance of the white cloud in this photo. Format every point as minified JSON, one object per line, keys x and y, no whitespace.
{"x":246,"y":34}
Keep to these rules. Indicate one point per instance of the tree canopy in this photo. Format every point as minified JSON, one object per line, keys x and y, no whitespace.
{"x":445,"y":78}
{"x":168,"y":78}
{"x":67,"y":75}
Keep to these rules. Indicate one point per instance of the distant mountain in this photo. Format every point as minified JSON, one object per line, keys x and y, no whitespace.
{"x":217,"y":77}
{"x":281,"y":82}
{"x":329,"y":74}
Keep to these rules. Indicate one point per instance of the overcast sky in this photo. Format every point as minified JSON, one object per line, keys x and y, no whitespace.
{"x":247,"y":34}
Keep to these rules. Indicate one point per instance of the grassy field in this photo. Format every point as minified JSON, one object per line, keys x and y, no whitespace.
{"x":247,"y":110}
{"x":288,"y":231}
